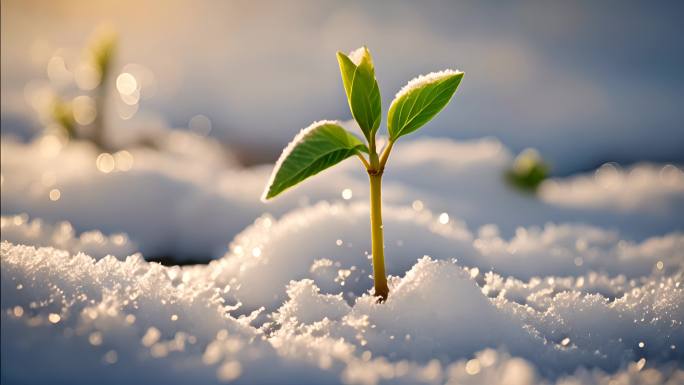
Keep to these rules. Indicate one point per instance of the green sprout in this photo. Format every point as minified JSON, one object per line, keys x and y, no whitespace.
{"x":326,"y":143}
{"x":101,"y":53}
{"x":528,"y":171}
{"x":62,"y":114}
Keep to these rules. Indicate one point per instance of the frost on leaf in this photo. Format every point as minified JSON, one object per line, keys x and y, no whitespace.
{"x":315,"y":148}
{"x":420,"y":100}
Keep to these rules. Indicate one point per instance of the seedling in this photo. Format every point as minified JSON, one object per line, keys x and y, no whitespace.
{"x":99,"y":57}
{"x":326,"y":143}
{"x":528,"y":172}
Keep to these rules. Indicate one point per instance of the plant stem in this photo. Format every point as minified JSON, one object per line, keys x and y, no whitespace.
{"x":378,"y":243}
{"x":385,"y":154}
{"x":364,"y":161}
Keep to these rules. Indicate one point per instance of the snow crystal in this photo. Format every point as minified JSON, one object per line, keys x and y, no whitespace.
{"x":357,"y":55}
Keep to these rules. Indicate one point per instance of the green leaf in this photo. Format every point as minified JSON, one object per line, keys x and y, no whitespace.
{"x":321,"y":145}
{"x":420,"y":100}
{"x":361,"y":87}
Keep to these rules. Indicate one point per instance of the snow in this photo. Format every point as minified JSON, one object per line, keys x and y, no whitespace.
{"x":581,"y":284}
{"x":328,"y":243}
{"x":357,"y":55}
{"x":19,"y":230}
{"x":422,"y":80}
{"x":437,"y":310}
{"x":619,"y":190}
{"x":188,"y":199}
{"x":134,"y":319}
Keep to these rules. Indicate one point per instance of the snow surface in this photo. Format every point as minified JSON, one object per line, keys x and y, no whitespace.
{"x":338,"y":233}
{"x":19,"y":229}
{"x":187,"y":201}
{"x":135,"y":319}
{"x":489,"y":285}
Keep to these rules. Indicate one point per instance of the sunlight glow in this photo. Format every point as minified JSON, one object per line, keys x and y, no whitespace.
{"x":84,"y":110}
{"x":57,"y":71}
{"x":87,"y":77}
{"x":55,"y":194}
{"x":123,"y":160}
{"x":105,"y":162}
{"x":473,"y":366}
{"x":50,"y":146}
{"x":126,"y":84}
{"x":95,"y":338}
{"x":18,"y":311}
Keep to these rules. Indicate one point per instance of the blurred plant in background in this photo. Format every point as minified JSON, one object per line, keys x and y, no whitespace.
{"x":88,"y":95}
{"x":528,"y":171}
{"x":83,"y":117}
{"x":99,"y":57}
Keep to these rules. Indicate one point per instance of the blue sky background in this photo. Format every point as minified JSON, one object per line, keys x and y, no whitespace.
{"x":584,"y":82}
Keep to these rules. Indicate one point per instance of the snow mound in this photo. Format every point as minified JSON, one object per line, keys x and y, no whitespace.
{"x":19,"y":230}
{"x":70,"y":318}
{"x":328,"y":243}
{"x":619,"y":190}
{"x":437,"y":311}
{"x":184,"y":200}
{"x":465,"y":180}
{"x":171,"y":201}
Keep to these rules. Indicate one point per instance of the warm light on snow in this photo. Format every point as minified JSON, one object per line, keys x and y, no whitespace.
{"x":566,"y":289}
{"x":444,"y":218}
{"x":472,"y":367}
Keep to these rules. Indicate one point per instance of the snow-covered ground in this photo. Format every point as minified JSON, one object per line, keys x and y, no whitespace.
{"x":581,"y":284}
{"x":188,"y":200}
{"x":67,"y":317}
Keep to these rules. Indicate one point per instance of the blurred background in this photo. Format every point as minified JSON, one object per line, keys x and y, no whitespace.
{"x":584,"y":82}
